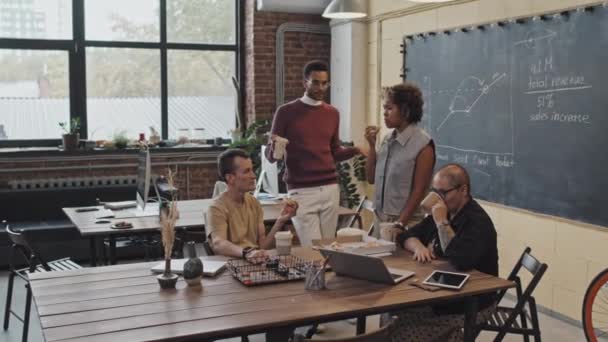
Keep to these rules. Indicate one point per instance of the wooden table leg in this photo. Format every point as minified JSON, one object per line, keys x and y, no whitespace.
{"x":361,"y":325}
{"x":93,"y":248}
{"x":470,"y":318}
{"x":112,"y":248}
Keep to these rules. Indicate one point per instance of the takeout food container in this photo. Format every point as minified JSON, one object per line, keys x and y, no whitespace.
{"x":365,"y":244}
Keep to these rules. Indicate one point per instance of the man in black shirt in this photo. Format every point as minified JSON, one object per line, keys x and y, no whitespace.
{"x":460,"y":231}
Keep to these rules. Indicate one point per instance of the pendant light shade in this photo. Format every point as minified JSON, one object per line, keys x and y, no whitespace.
{"x":346,"y":9}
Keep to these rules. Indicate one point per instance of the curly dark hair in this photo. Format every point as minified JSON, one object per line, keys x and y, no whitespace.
{"x":408,"y":97}
{"x":314,"y":65}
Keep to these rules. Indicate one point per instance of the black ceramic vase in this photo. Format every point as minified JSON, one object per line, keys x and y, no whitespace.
{"x":193,"y":268}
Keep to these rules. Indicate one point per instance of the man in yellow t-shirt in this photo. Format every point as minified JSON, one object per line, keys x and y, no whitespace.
{"x":235,"y":221}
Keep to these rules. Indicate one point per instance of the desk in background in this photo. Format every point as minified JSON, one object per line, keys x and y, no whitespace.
{"x":190,"y":217}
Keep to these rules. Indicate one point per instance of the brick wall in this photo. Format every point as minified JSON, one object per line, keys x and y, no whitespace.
{"x":260,"y":54}
{"x":195,"y":171}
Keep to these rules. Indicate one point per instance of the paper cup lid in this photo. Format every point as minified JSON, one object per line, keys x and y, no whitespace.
{"x":283,"y":235}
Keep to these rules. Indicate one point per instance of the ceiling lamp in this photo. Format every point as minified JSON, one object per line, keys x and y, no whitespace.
{"x":346,"y":9}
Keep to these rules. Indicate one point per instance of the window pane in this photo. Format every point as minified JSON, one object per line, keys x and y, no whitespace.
{"x":201,"y":21}
{"x":123,"y":92}
{"x":34,"y":94}
{"x":119,"y":20}
{"x":40,"y":19}
{"x":201,"y":94}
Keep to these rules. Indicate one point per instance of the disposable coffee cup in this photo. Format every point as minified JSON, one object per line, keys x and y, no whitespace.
{"x":429,"y":201}
{"x":279,"y":148}
{"x":283,"y":242}
{"x":387,"y":231}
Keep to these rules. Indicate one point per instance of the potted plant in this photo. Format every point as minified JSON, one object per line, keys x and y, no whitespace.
{"x":252,"y":140}
{"x":71,"y":134}
{"x":120,"y":140}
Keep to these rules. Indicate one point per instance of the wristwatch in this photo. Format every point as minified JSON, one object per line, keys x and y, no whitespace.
{"x":246,"y":251}
{"x":443,"y":224}
{"x":399,"y":225}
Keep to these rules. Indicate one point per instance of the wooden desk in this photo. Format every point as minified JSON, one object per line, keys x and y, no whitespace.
{"x":125,"y":303}
{"x":191,"y":217}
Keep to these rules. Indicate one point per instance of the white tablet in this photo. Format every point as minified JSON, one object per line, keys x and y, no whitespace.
{"x":450,"y":280}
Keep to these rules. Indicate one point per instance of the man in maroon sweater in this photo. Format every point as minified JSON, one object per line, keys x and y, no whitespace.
{"x":311,"y":127}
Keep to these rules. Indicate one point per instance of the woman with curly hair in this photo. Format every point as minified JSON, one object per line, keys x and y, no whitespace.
{"x":402,"y":167}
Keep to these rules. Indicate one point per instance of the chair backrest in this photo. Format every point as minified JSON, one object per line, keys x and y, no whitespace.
{"x":207,"y":247}
{"x":20,"y":244}
{"x":380,"y":335}
{"x":218,"y":188}
{"x":364,"y":204}
{"x":534,"y":267}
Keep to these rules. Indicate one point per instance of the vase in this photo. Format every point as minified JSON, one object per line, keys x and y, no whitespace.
{"x":70,"y":141}
{"x":193,"y":268}
{"x":167,"y":280}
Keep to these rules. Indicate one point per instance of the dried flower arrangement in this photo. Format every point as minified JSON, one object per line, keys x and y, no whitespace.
{"x":168,"y":216}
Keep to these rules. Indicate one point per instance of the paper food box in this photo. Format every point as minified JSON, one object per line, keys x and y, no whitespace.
{"x":366,"y":245}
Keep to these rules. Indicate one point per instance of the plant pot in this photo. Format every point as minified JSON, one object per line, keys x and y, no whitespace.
{"x":70,"y":141}
{"x":167,"y":280}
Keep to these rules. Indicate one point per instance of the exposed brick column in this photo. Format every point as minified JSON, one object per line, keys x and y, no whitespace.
{"x":300,"y":47}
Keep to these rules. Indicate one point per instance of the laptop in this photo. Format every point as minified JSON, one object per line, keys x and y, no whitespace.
{"x":212,"y":266}
{"x":364,"y":267}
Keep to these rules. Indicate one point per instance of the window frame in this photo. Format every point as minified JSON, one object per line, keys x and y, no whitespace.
{"x":76,"y":48}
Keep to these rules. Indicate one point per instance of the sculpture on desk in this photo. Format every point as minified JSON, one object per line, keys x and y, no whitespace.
{"x":193,"y":268}
{"x":168,"y":216}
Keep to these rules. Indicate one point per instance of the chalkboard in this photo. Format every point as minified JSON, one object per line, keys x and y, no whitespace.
{"x":523,"y":105}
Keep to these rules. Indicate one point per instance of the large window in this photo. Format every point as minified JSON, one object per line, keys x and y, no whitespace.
{"x":122,"y":67}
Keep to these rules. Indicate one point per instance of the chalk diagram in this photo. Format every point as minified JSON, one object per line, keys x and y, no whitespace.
{"x":534,"y":37}
{"x":460,"y":102}
{"x":450,"y":109}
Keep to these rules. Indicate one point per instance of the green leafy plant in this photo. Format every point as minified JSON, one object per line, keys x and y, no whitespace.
{"x":253,"y":139}
{"x":120,"y":140}
{"x":73,"y":128}
{"x":359,"y":168}
{"x":348,"y":188}
{"x":349,"y":195}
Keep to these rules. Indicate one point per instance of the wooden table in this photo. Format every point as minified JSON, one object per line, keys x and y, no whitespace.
{"x":191,"y":217}
{"x":125,"y":303}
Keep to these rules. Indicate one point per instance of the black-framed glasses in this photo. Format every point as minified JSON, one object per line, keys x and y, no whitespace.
{"x":319,"y":84}
{"x":444,"y":193}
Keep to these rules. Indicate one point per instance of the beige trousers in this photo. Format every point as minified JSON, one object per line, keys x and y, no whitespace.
{"x":317,"y":212}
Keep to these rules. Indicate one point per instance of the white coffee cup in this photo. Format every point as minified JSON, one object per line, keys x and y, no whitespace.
{"x":388,"y":231}
{"x":279,"y":148}
{"x":283,"y":242}
{"x":429,"y":201}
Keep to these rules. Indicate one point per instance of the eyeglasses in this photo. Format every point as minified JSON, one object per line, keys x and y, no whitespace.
{"x":319,"y":84}
{"x":444,"y":193}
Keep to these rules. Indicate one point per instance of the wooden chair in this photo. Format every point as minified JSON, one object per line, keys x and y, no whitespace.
{"x":207,"y":247}
{"x":35,"y":263}
{"x":365,"y":204}
{"x":504,"y":320}
{"x":383,"y":334}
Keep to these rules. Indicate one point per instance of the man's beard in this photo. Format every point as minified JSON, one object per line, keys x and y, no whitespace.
{"x":318,"y":96}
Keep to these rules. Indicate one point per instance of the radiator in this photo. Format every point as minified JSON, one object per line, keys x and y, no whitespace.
{"x":73,"y":183}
